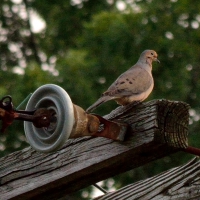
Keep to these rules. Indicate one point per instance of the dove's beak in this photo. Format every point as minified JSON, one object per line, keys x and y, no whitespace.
{"x":156,"y":59}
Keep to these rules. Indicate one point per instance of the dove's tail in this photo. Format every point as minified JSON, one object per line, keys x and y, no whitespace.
{"x":101,"y":100}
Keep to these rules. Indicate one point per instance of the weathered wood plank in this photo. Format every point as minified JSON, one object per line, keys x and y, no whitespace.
{"x":28,"y":174}
{"x":178,"y":183}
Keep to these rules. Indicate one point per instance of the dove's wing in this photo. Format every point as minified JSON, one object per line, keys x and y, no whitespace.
{"x":132,"y":82}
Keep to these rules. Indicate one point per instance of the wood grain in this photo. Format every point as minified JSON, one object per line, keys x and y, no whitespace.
{"x":175,"y":184}
{"x":27,"y":174}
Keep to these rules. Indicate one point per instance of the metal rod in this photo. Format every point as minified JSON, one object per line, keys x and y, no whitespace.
{"x":100,"y":188}
{"x":24,"y":117}
{"x":192,"y":150}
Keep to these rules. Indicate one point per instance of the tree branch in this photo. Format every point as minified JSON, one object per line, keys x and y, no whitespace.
{"x":32,"y":37}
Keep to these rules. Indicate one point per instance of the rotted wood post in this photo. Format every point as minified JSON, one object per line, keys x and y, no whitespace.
{"x":155,"y":129}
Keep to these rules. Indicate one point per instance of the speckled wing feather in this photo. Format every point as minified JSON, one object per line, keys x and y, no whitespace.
{"x":134,"y":81}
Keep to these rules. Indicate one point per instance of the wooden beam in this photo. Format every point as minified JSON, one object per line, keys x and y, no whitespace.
{"x":178,"y":183}
{"x":27,"y":174}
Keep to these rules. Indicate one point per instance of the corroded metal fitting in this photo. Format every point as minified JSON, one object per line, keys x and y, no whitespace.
{"x":84,"y":124}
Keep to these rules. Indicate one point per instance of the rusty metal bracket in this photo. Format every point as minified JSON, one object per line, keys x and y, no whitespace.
{"x":40,"y":118}
{"x":111,"y":129}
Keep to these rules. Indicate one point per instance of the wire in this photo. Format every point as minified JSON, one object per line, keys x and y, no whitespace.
{"x":24,"y":101}
{"x":100,"y":188}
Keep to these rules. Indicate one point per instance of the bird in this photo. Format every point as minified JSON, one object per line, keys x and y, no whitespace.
{"x":134,"y":85}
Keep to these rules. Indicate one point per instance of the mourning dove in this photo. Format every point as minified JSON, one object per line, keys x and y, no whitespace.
{"x":133,"y":85}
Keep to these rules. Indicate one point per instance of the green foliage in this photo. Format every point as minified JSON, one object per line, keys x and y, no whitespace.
{"x":74,"y":69}
{"x":86,"y":45}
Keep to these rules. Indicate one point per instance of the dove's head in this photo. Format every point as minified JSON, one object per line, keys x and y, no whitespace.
{"x":149,"y":56}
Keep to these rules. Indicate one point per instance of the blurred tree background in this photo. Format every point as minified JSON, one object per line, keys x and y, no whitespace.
{"x":84,"y":45}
